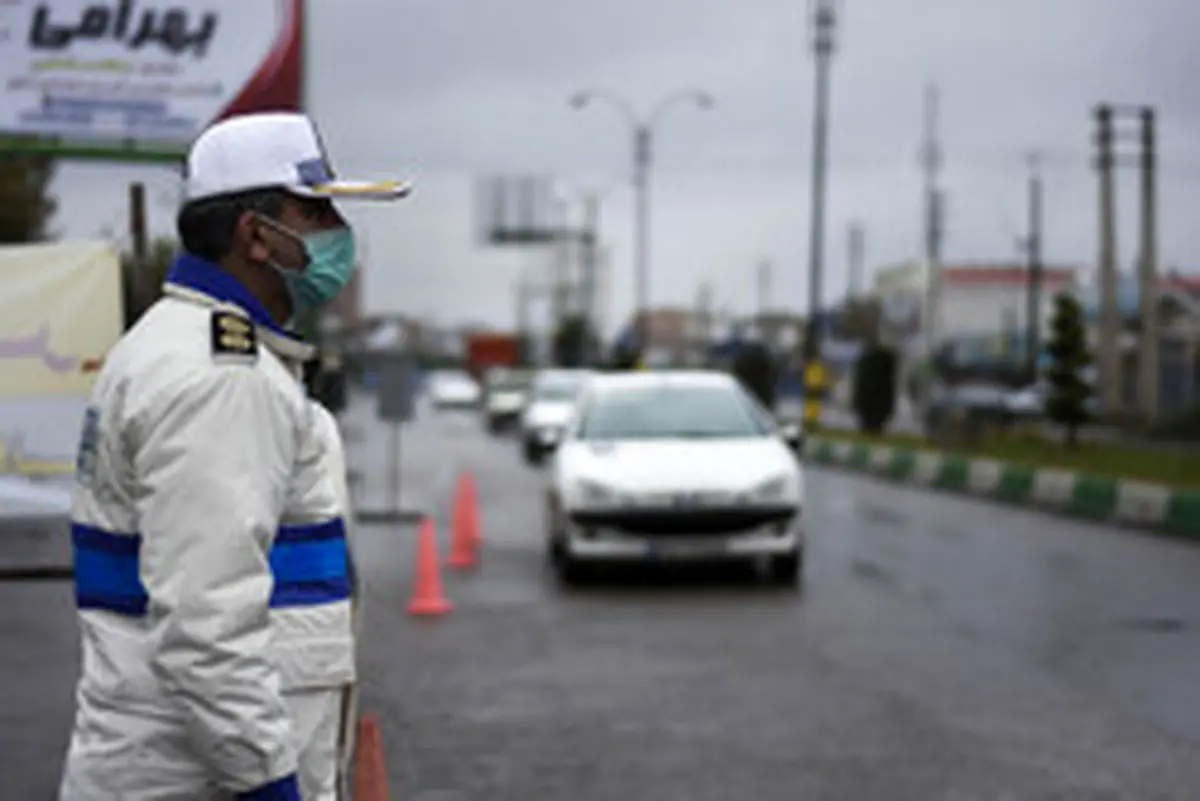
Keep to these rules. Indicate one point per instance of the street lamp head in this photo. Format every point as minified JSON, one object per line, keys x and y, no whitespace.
{"x":580,"y":99}
{"x":704,"y":100}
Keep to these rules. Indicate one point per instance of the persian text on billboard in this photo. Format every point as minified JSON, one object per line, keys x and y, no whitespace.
{"x":142,"y":70}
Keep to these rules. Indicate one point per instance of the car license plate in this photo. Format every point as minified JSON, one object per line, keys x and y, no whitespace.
{"x":667,"y":549}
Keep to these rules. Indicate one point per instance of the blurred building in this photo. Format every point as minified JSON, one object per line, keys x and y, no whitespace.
{"x":673,"y":335}
{"x":983,"y":311}
{"x":782,"y":331}
{"x":977,"y":298}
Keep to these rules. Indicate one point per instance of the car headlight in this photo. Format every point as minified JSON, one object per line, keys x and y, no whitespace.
{"x":592,"y":493}
{"x":770,"y":491}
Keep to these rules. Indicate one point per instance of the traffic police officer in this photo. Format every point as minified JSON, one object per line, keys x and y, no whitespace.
{"x":213,"y":574}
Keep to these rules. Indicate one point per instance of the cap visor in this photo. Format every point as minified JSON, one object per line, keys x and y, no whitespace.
{"x":352,"y":190}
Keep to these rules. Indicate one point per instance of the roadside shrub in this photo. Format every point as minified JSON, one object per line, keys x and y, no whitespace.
{"x":874,"y":395}
{"x":1069,"y":392}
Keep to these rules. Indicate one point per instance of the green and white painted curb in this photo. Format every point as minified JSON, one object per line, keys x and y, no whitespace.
{"x":1076,"y":494}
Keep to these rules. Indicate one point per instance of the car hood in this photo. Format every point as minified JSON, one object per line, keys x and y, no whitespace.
{"x":544,"y":413}
{"x":455,"y":390}
{"x":678,"y":465}
{"x":506,"y":401}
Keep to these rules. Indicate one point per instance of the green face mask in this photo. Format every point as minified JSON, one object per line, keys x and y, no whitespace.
{"x":331,"y":264}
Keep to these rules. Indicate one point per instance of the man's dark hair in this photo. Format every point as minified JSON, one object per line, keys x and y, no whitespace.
{"x":206,"y":226}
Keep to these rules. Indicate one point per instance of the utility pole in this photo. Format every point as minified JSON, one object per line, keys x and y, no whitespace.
{"x":138,"y":238}
{"x":1033,"y":309}
{"x":855,"y":252}
{"x":642,"y":160}
{"x":560,"y":266}
{"x":763,"y":284}
{"x":824,"y":23}
{"x":1109,"y":361}
{"x":1148,"y":273}
{"x":931,"y":163}
{"x":523,"y":329}
{"x":704,"y":311}
{"x":589,"y":237}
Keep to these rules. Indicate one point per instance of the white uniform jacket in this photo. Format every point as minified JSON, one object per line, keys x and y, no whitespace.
{"x":211,"y":563}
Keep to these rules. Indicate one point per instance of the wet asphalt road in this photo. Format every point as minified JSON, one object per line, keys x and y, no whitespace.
{"x":943,"y":649}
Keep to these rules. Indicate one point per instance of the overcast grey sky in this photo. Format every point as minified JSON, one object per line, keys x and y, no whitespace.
{"x":444,"y":90}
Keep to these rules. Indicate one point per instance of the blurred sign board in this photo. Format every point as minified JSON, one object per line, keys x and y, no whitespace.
{"x":60,"y":312}
{"x":139,"y":79}
{"x":397,"y":388}
{"x":516,"y":210}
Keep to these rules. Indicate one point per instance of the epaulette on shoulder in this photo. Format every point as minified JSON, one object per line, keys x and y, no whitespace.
{"x":233,"y":335}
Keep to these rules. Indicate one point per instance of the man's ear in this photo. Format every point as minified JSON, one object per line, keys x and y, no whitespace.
{"x":249,"y":238}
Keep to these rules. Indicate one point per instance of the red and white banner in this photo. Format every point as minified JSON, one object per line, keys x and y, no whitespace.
{"x":146,"y":73}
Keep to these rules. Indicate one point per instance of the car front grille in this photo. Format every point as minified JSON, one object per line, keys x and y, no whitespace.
{"x":691,"y":522}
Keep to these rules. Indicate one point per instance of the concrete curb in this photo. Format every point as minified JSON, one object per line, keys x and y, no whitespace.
{"x":1168,"y":509}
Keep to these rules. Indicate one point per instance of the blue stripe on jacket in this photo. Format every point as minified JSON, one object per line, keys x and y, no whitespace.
{"x":310,"y":565}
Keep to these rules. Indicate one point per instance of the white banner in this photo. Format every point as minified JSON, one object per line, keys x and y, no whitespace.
{"x":144,"y":70}
{"x":60,"y":312}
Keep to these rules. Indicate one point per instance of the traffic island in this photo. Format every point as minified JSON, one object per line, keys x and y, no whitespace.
{"x":1029,"y":477}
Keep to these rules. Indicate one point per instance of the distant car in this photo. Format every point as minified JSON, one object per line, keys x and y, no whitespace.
{"x":453,"y":389}
{"x":505,"y":393}
{"x":548,"y":410}
{"x":669,"y":466}
{"x":1030,"y":402}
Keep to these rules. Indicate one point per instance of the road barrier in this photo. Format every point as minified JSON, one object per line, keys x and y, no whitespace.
{"x":1171,"y":510}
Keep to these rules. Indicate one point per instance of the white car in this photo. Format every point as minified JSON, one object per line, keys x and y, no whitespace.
{"x":548,"y":410}
{"x":505,"y":393}
{"x":453,"y":389}
{"x":661,"y":466}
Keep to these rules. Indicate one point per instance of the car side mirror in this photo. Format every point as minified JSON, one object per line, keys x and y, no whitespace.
{"x":793,"y":435}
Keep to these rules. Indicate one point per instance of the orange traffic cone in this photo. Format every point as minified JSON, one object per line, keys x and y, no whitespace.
{"x":468,"y":491}
{"x":428,"y":597}
{"x":462,"y":544}
{"x":370,"y":770}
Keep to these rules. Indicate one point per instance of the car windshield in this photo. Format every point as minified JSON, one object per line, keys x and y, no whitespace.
{"x":559,"y":388}
{"x":508,"y":381}
{"x":671,"y":412}
{"x":451,"y":378}
{"x":557,"y":392}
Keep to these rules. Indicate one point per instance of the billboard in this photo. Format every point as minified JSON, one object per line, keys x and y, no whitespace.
{"x":139,"y":79}
{"x":517,"y":210}
{"x":60,"y":312}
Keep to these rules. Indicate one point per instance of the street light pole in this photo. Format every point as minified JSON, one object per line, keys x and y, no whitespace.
{"x":643,"y":158}
{"x":824,"y":21}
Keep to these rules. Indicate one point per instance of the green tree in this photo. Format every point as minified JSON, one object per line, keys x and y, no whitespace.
{"x":140,"y":290}
{"x":624,"y":358}
{"x":1066,"y":403}
{"x":574,"y":342}
{"x":874,"y":391}
{"x":755,"y":368}
{"x":526,"y":350}
{"x":858,"y":319}
{"x":26,"y":204}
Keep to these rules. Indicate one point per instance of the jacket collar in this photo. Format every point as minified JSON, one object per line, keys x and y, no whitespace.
{"x":197,"y":279}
